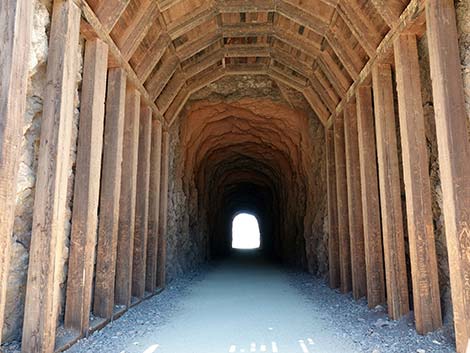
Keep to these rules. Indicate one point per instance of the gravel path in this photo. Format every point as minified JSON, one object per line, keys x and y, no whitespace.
{"x":247,"y":305}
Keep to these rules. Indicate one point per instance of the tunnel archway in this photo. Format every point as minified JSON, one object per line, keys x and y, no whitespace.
{"x":246,"y":233}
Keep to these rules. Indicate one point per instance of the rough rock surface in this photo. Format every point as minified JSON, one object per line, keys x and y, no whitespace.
{"x":240,"y":133}
{"x":25,"y":190}
{"x":463,"y":23}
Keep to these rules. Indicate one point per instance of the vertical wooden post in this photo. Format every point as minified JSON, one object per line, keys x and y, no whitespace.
{"x":41,"y":306}
{"x":161,"y":276}
{"x":370,"y":198}
{"x":142,"y":204}
{"x":356,"y":230}
{"x":86,"y":188}
{"x":424,"y":271}
{"x":454,"y":156}
{"x":15,"y":21}
{"x":154,"y":206}
{"x":109,"y":194}
{"x":333,"y":246}
{"x":342,"y":204}
{"x":127,"y":201}
{"x":390,"y":193}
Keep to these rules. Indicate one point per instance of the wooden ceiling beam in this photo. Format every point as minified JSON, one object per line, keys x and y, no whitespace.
{"x":191,"y":48}
{"x":109,"y":12}
{"x":246,"y":69}
{"x":94,"y":26}
{"x":248,"y":30}
{"x":324,"y":96}
{"x":137,"y":29}
{"x":301,"y":17}
{"x":158,"y":81}
{"x":238,"y":6}
{"x":205,"y":63}
{"x":390,"y":10}
{"x":292,"y":62}
{"x":298,"y":42}
{"x":153,"y":55}
{"x":247,"y":50}
{"x":205,"y":80}
{"x":180,"y":28}
{"x":316,"y":104}
{"x":292,"y":81}
{"x":334,"y":73}
{"x":177,"y":105}
{"x":164,"y":5}
{"x":330,"y":95}
{"x":344,"y":55}
{"x":171,"y":90}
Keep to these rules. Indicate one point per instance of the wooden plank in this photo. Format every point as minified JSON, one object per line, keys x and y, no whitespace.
{"x":109,"y":11}
{"x":356,"y":229}
{"x":42,"y":291}
{"x":16,"y":23}
{"x":154,"y":206}
{"x":424,"y":271}
{"x":333,"y":241}
{"x":110,"y":191}
{"x":454,"y":156}
{"x":301,"y":17}
{"x":316,"y":104}
{"x":142,"y":204}
{"x":162,"y":229}
{"x":176,"y":30}
{"x":127,"y":201}
{"x":154,"y":54}
{"x":156,"y":83}
{"x":137,"y":29}
{"x":390,"y":10}
{"x":342,"y":206}
{"x":115,"y":54}
{"x":370,"y":199}
{"x":390,"y":192}
{"x":86,"y":188}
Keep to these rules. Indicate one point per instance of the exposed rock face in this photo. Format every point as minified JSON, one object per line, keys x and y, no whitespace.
{"x":256,"y":154}
{"x":25,"y":191}
{"x":463,"y":23}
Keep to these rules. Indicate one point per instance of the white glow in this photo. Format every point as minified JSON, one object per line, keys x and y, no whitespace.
{"x":245,"y":232}
{"x":151,"y":349}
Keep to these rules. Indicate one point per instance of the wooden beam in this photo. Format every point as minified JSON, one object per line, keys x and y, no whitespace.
{"x":298,"y":15}
{"x":390,"y":191}
{"x":177,"y":105}
{"x":118,"y":60}
{"x":142,"y":204}
{"x":86,"y":188}
{"x":137,"y":28}
{"x":370,"y":199}
{"x":247,"y":50}
{"x":412,"y":14}
{"x":454,"y":156}
{"x":42,"y":301}
{"x":335,"y":75}
{"x":247,"y":29}
{"x":390,"y":10}
{"x":154,"y":54}
{"x":154,"y":206}
{"x":294,"y":41}
{"x":161,"y":256}
{"x":127,"y":202}
{"x":178,"y":29}
{"x":171,"y":90}
{"x":316,"y":104}
{"x":356,"y":228}
{"x":333,"y":241}
{"x":109,"y":12}
{"x":110,"y":192}
{"x":342,"y":205}
{"x":238,"y":6}
{"x":424,"y":271}
{"x":16,"y":20}
{"x":191,"y":48}
{"x":156,"y":83}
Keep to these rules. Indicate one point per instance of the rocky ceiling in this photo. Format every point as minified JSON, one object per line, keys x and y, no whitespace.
{"x":173,"y":48}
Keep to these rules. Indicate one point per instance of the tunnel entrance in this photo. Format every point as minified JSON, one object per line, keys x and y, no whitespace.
{"x":245,"y":232}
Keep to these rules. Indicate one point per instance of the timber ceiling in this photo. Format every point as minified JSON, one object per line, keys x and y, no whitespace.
{"x":176,"y":47}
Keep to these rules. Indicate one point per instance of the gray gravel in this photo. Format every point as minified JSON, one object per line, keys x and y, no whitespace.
{"x":247,"y":305}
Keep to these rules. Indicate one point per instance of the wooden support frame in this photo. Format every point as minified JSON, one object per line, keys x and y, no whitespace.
{"x":16,"y":20}
{"x":110,"y":192}
{"x":142,"y":204}
{"x":333,"y":242}
{"x":370,"y":198}
{"x":127,"y":202}
{"x":424,"y":271}
{"x":342,"y":206}
{"x":454,"y":156}
{"x":356,"y":229}
{"x":154,"y":206}
{"x":161,"y":255}
{"x":41,"y":306}
{"x":390,"y":191}
{"x":86,"y":188}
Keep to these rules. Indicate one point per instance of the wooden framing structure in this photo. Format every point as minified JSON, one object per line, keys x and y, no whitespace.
{"x":339,"y":54}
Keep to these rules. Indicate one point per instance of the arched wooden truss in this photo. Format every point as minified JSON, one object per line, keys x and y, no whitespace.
{"x":322,"y":48}
{"x":337,"y":53}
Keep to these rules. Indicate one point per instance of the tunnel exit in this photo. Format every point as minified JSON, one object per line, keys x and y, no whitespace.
{"x":245,"y":232}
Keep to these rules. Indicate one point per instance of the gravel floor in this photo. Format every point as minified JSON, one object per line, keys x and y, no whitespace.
{"x":247,"y":305}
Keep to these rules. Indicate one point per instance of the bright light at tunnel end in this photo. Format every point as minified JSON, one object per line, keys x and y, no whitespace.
{"x":245,"y":232}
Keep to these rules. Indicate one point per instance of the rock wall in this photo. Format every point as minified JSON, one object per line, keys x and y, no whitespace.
{"x":27,"y":174}
{"x":463,"y":24}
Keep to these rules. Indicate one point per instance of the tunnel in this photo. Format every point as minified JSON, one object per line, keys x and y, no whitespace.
{"x":135,"y":134}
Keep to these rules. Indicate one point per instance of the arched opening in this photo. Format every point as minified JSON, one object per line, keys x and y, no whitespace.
{"x":245,"y":232}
